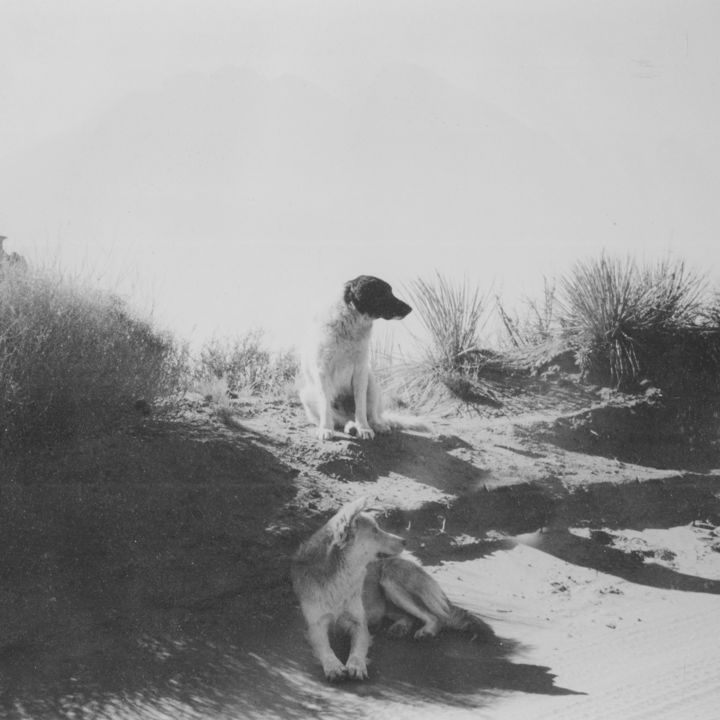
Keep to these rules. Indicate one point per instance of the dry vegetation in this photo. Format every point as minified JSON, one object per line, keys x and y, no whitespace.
{"x":149,"y":560}
{"x":609,"y":321}
{"x":73,"y":358}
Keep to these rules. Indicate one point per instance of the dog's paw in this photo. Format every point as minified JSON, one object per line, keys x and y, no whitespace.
{"x":356,"y":668}
{"x":363,"y":432}
{"x":325,"y":433}
{"x":400,"y":628}
{"x":381,"y":426}
{"x":334,"y":670}
{"x":427,"y":631}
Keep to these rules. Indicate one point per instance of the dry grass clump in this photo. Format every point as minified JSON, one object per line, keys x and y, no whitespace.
{"x":451,"y":356}
{"x":628,"y":323}
{"x":615,"y":321}
{"x":245,"y":365}
{"x":74,"y":358}
{"x":534,"y":339}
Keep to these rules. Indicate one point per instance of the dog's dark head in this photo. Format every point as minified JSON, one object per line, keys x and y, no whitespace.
{"x":374,"y":297}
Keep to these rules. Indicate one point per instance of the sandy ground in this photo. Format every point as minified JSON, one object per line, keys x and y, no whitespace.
{"x":145,"y":573}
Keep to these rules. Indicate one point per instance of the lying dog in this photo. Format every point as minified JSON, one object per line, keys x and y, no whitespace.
{"x":338,"y":388}
{"x":348,"y":577}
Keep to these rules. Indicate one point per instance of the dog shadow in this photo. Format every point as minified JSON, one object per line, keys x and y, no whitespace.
{"x":424,"y":459}
{"x":453,"y":669}
{"x":281,"y":678}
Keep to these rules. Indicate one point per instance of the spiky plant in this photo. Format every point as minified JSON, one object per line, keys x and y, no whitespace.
{"x":616,"y":314}
{"x":452,"y":316}
{"x":450,"y":356}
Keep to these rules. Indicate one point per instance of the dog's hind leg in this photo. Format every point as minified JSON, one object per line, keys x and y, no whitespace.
{"x":374,"y":406}
{"x":402,"y":624}
{"x":309,"y":400}
{"x":318,"y":408}
{"x":360,"y":394}
{"x":400,"y":597}
{"x":318,"y":635}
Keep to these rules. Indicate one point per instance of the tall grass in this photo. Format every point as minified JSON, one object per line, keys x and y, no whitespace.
{"x":533,"y":339}
{"x":73,"y":358}
{"x":619,"y":322}
{"x":451,"y":353}
{"x":453,"y":316}
{"x":623,"y":319}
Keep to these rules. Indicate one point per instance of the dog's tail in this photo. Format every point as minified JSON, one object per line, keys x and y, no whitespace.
{"x":398,"y":421}
{"x":464,"y":621}
{"x":451,"y":615}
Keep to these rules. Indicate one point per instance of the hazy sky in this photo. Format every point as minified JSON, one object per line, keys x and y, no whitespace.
{"x":500,"y":140}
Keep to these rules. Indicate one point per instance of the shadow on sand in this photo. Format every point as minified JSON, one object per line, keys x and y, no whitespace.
{"x":629,"y":566}
{"x":262,"y":671}
{"x":424,"y":459}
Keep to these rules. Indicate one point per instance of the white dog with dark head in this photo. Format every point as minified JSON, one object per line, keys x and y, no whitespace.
{"x":338,"y":389}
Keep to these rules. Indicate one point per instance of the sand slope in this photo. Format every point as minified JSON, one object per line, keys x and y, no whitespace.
{"x":145,"y":573}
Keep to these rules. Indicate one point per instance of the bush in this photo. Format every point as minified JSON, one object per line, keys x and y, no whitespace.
{"x":534,"y":340}
{"x":244,"y":364}
{"x":73,"y":358}
{"x":451,"y":353}
{"x":627,"y":322}
{"x":453,"y":317}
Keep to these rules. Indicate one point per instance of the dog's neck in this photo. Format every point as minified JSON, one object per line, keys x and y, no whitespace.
{"x":352,"y":324}
{"x":351,"y":563}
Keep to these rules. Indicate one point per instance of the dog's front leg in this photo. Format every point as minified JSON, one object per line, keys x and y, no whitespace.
{"x":318,"y":634}
{"x":360,"y":643}
{"x":360,"y":393}
{"x":326,"y":426}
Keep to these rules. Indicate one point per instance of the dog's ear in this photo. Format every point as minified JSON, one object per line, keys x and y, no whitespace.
{"x":350,"y":291}
{"x":342,"y":524}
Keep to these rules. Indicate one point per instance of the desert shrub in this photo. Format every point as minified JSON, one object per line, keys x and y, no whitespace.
{"x":627,"y":322}
{"x":245,"y":364}
{"x":538,"y":323}
{"x":449,"y":353}
{"x":73,"y":358}
{"x":532,"y":339}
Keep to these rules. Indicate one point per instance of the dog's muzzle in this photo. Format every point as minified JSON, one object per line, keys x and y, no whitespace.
{"x":398,"y":311}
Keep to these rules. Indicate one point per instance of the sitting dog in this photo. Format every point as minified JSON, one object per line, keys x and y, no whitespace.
{"x":348,"y":577}
{"x":338,"y":389}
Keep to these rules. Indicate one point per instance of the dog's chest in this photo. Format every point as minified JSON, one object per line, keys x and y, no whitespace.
{"x":341,"y":355}
{"x":343,"y":592}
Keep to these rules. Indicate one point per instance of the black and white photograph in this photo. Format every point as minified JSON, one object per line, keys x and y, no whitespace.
{"x":359,"y":360}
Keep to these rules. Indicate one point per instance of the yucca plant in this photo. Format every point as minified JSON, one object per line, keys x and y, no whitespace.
{"x":453,"y":316}
{"x":535,"y":338}
{"x":450,"y":353}
{"x":617,"y":315}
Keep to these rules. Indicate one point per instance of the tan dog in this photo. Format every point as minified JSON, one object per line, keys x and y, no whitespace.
{"x":328,"y":573}
{"x":338,"y":389}
{"x":348,"y":577}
